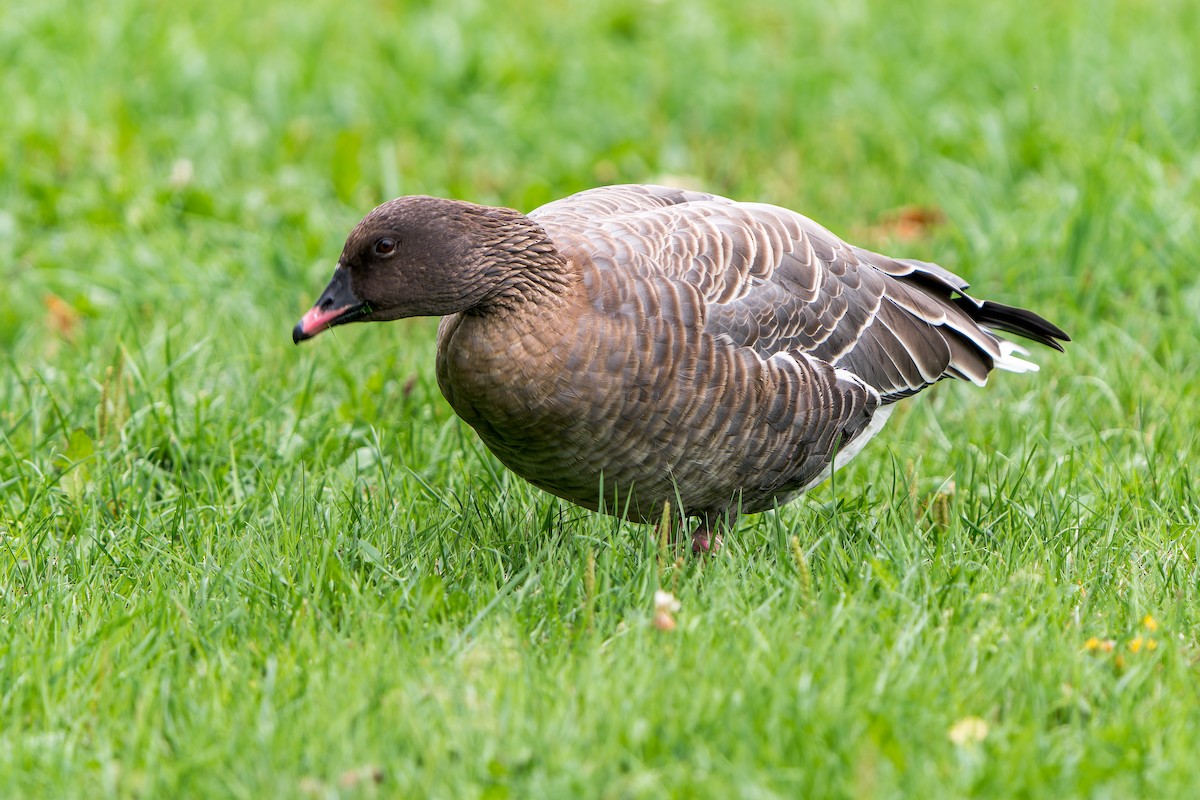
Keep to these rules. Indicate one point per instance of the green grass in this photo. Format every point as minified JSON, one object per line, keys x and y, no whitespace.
{"x":232,"y":567}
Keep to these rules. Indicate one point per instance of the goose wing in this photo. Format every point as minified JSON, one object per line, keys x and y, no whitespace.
{"x":777,"y":282}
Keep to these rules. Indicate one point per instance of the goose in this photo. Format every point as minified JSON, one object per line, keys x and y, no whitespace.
{"x":636,"y":345}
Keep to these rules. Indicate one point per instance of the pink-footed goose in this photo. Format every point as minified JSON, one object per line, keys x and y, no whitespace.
{"x":630,"y":346}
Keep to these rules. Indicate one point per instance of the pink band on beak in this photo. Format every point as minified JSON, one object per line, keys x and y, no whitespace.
{"x":315,"y":320}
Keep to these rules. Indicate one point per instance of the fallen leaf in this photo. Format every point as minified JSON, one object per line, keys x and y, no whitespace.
{"x":909,"y":223}
{"x":61,"y":317}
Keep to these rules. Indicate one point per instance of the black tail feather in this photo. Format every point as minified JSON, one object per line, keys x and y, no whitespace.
{"x":1020,"y":321}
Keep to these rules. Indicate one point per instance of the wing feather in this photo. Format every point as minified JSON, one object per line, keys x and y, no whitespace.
{"x":777,"y":282}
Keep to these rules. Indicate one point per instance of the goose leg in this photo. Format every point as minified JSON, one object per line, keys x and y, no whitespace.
{"x":706,"y":538}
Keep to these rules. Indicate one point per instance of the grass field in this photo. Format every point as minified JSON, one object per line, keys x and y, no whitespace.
{"x":230,"y":567}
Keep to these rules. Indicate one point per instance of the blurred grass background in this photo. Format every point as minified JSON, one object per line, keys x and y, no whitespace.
{"x":231,"y":567}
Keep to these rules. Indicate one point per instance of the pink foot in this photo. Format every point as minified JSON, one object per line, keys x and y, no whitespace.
{"x":704,"y":540}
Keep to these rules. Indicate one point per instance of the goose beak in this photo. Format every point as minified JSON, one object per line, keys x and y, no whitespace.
{"x":338,"y":304}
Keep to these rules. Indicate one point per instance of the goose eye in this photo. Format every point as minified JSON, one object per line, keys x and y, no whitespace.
{"x":385,"y":246}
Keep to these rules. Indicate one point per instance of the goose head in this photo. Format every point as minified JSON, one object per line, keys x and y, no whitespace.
{"x":426,"y":256}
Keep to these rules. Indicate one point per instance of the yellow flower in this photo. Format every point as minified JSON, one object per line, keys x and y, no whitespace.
{"x":1136,"y":644}
{"x":1150,"y":623}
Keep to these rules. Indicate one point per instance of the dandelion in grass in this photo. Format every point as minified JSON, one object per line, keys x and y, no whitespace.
{"x":1139,"y":643}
